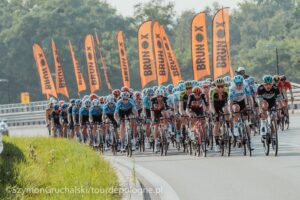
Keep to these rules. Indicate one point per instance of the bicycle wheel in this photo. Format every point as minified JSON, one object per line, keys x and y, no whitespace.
{"x":243,"y":140}
{"x":274,"y":139}
{"x":129,"y":145}
{"x":165,"y":144}
{"x":210,"y":136}
{"x":266,"y":142}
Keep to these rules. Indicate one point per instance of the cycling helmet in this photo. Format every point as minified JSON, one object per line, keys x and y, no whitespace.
{"x":250,"y":80}
{"x":188,"y":84}
{"x":209,"y":80}
{"x":206,"y":83}
{"x":101,"y":99}
{"x":197,"y":90}
{"x":240,"y":69}
{"x":155,"y":88}
{"x":238,"y":79}
{"x":162,"y":87}
{"x":85,"y":97}
{"x":93,"y":96}
{"x":144,"y":91}
{"x":194,"y":83}
{"x":95,"y":103}
{"x":181,"y":81}
{"x":227,"y":79}
{"x":137,"y":95}
{"x":267,"y":79}
{"x":116,"y":92}
{"x":150,"y":92}
{"x":283,"y":78}
{"x":64,"y":106}
{"x":181,"y":87}
{"x":56,"y":107}
{"x":175,"y":89}
{"x":199,"y":83}
{"x":72,"y":102}
{"x":61,"y":102}
{"x":124,"y":89}
{"x":87,"y":103}
{"x":77,"y":102}
{"x":276,"y":78}
{"x":110,"y":99}
{"x":125,"y":95}
{"x":159,"y":92}
{"x":170,"y":88}
{"x":219,"y":81}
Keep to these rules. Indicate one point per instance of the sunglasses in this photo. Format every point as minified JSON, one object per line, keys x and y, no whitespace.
{"x":269,"y":84}
{"x":220,"y":86}
{"x":189,"y":88}
{"x":159,"y":96}
{"x":124,"y":99}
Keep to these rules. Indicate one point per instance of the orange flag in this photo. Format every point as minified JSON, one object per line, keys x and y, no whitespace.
{"x":91,"y":63}
{"x":160,"y":58}
{"x":123,"y":60}
{"x":103,"y":63}
{"x":221,"y":43}
{"x":200,"y":57}
{"x":61,"y":86}
{"x":146,"y":57}
{"x":171,"y":59}
{"x":47,"y":84}
{"x":79,"y":78}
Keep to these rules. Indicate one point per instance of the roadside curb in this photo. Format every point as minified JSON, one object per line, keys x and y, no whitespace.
{"x":130,"y":186}
{"x":166,"y":192}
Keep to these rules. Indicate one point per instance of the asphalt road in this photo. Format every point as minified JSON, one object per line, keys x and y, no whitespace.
{"x":224,"y":178}
{"x":236,"y":177}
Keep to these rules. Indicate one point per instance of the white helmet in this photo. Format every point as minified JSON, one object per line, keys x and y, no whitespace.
{"x":159,"y":92}
{"x":205,"y":83}
{"x":125,"y":95}
{"x":110,"y":99}
{"x":241,"y":69}
{"x":95,"y":103}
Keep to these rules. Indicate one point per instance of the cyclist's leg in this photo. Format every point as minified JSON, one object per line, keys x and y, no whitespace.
{"x":236,"y":109}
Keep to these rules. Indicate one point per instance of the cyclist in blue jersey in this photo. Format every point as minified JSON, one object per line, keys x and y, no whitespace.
{"x":125,"y":108}
{"x":55,"y":119}
{"x":75,"y":116}
{"x":84,"y":118}
{"x":64,"y":119}
{"x":95,"y":118}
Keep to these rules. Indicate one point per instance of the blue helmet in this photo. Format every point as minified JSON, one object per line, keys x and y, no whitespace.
{"x":56,"y":107}
{"x":87,"y":103}
{"x":170,"y":88}
{"x":268,"y":79}
{"x":95,"y":103}
{"x":194,"y":83}
{"x":250,"y":80}
{"x":64,"y":106}
{"x":72,"y":102}
{"x":238,"y":79}
{"x":181,"y":87}
{"x":150,"y":92}
{"x":78,"y":102}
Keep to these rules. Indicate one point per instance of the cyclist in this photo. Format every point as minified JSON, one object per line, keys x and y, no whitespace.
{"x":64,"y":119}
{"x":158,"y":109}
{"x":70,"y":118}
{"x":48,"y":113}
{"x":284,"y":86}
{"x":196,"y":106}
{"x":84,"y":118}
{"x":268,"y":96}
{"x":241,"y":71}
{"x":125,"y":107}
{"x":75,"y":116}
{"x":108,"y":112}
{"x":147,"y":114}
{"x":55,"y":120}
{"x":101,"y":100}
{"x":116,"y":94}
{"x":239,"y":98}
{"x":218,"y":97}
{"x":95,"y":118}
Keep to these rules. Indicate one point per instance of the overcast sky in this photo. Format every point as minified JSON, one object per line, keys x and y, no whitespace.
{"x":125,"y":7}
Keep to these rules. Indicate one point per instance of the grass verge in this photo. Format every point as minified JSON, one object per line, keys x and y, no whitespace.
{"x":50,"y":168}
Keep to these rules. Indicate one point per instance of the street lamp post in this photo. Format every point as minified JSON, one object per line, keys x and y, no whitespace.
{"x":8,"y":93}
{"x":272,"y":46}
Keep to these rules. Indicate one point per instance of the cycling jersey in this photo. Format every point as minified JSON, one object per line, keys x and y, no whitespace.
{"x":157,"y":106}
{"x":95,"y":111}
{"x":270,"y":96}
{"x":147,"y":102}
{"x":196,"y":103}
{"x":55,"y":117}
{"x":236,"y":95}
{"x":64,"y":115}
{"x":284,"y":87}
{"x":84,"y":114}
{"x":130,"y":105}
{"x":109,"y":110}
{"x":184,"y":98}
{"x":219,"y":101}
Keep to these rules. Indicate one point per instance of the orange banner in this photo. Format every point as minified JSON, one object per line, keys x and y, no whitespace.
{"x":61,"y":86}
{"x":79,"y":78}
{"x":171,"y":59}
{"x":160,"y":58}
{"x":91,"y":63}
{"x":103,"y":63}
{"x":221,"y":43}
{"x":47,"y":84}
{"x":123,"y":60}
{"x":200,"y":56}
{"x":146,"y":57}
